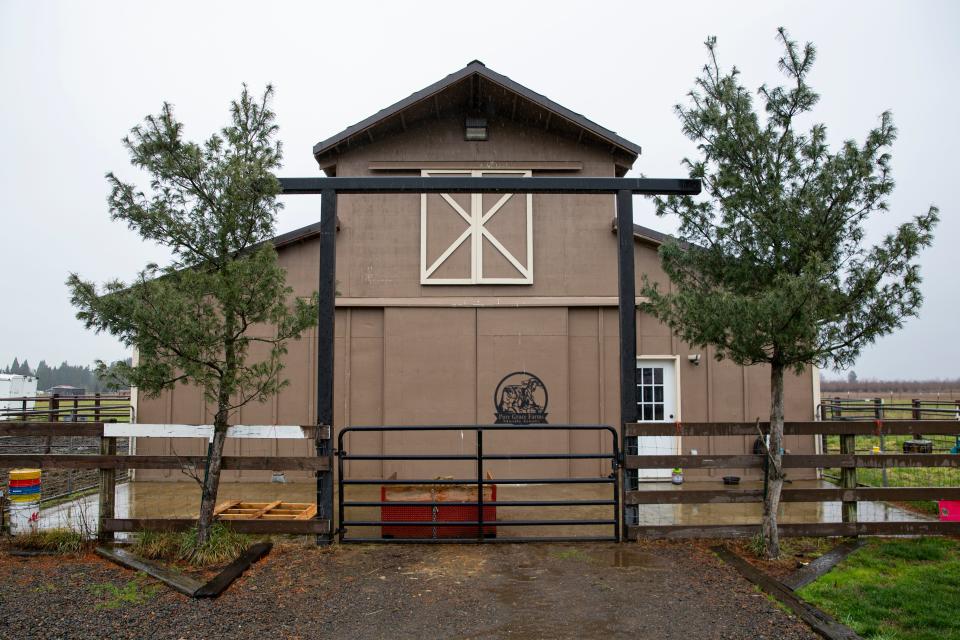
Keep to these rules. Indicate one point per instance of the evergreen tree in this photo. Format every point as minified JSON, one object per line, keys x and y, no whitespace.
{"x":192,"y":322}
{"x":771,"y":267}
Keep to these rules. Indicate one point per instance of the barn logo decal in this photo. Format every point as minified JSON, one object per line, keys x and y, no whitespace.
{"x":521,"y":398}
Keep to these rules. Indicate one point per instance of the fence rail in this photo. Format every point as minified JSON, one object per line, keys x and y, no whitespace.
{"x":863,"y":427}
{"x":848,"y":462}
{"x":108,"y":462}
{"x":849,"y":493}
{"x":56,"y":407}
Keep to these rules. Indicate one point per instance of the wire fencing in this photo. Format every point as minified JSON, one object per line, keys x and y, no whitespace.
{"x":879,"y":409}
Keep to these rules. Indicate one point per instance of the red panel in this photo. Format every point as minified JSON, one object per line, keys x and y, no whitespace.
{"x":949,"y":510}
{"x":427,"y":514}
{"x":25,"y":483}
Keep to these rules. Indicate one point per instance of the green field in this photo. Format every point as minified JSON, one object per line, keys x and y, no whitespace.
{"x":895,"y":590}
{"x":901,"y":476}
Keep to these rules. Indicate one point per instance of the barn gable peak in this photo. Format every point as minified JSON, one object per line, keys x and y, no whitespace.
{"x":476,"y":89}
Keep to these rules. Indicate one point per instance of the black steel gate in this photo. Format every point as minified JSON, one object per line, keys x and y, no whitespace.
{"x":434,"y":520}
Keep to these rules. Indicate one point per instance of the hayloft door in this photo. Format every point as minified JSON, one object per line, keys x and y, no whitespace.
{"x":657,"y":402}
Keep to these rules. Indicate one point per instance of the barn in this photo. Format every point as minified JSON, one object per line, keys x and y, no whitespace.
{"x":484,"y":308}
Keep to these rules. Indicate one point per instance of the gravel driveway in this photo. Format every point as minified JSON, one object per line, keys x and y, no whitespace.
{"x":668,"y":590}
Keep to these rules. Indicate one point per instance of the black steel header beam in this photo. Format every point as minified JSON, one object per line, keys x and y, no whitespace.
{"x":409,"y":184}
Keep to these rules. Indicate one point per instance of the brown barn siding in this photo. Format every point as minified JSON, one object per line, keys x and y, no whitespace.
{"x":403,"y":365}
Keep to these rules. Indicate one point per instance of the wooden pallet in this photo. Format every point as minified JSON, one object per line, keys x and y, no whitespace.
{"x":276,"y":510}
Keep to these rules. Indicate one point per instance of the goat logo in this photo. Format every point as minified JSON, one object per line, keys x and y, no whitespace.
{"x":521,"y":398}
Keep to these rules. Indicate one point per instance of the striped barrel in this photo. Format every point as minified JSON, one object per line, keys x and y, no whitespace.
{"x":24,"y":485}
{"x":24,"y":490}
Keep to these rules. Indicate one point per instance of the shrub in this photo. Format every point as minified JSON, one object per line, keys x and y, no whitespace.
{"x":54,"y":540}
{"x":224,"y":545}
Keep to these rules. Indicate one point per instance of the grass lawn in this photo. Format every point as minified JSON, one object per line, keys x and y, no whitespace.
{"x":905,"y":589}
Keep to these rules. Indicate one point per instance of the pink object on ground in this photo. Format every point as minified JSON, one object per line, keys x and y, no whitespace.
{"x":949,"y":510}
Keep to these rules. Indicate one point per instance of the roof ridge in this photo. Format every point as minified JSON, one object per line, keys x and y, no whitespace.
{"x":476,"y":67}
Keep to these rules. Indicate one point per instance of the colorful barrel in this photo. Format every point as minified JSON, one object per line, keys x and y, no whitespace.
{"x":24,"y":493}
{"x":25,"y":474}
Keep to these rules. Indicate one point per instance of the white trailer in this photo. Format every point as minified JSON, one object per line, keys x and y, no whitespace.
{"x":13,"y":389}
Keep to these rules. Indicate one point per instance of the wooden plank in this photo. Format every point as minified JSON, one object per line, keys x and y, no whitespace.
{"x":237,"y":463}
{"x":848,"y":478}
{"x":408,"y":165}
{"x":263,"y":510}
{"x":308,"y":513}
{"x":694,"y":462}
{"x":725,"y":496}
{"x":804,"y":461}
{"x":223,"y":506}
{"x":920,"y":527}
{"x":829,"y":427}
{"x":173,"y":579}
{"x":293,"y":527}
{"x":819,"y":621}
{"x":805,"y":575}
{"x":266,"y":431}
{"x":219,"y":583}
{"x":18,"y":428}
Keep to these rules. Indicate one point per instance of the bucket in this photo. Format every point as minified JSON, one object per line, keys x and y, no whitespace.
{"x":24,"y":495}
{"x":24,"y":517}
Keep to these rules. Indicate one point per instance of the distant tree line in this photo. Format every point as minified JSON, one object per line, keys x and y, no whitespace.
{"x":856,"y":385}
{"x":62,"y":374}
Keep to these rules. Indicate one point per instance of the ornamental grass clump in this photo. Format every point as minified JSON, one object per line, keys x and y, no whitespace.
{"x":61,"y":540}
{"x":223,"y":545}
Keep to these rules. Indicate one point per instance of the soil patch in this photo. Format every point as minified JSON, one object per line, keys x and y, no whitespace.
{"x":651,"y":590}
{"x":795,"y":554}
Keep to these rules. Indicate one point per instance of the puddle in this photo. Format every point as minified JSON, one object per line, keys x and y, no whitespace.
{"x":627,"y":558}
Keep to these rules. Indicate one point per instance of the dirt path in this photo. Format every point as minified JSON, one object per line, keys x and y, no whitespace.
{"x":495,"y":591}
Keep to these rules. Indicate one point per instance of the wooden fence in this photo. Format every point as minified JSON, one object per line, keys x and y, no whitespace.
{"x":848,"y":493}
{"x":108,"y":462}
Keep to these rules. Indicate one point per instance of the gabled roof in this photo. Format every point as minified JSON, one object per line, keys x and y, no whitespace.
{"x":477,"y":69}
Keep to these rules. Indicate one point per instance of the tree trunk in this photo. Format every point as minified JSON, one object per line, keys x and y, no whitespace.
{"x":774,"y":479}
{"x":211,"y":481}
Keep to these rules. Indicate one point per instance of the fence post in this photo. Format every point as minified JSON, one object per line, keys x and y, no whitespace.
{"x":878,"y":414}
{"x":917,"y":415}
{"x":54,"y":410}
{"x":848,"y":478}
{"x":108,"y":490}
{"x":823,"y":436}
{"x":326,"y":319}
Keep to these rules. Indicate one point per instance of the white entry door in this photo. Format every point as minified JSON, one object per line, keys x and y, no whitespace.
{"x":657,"y":402}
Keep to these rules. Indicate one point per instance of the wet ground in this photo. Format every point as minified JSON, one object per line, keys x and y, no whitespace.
{"x":182,"y":499}
{"x":588,"y":590}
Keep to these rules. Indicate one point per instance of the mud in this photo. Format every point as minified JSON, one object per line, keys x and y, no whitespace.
{"x":656,"y":590}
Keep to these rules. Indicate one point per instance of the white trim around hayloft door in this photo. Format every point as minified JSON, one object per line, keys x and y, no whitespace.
{"x":475,"y":233}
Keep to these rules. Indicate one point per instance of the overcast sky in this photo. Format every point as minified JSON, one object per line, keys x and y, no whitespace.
{"x":77,"y":75}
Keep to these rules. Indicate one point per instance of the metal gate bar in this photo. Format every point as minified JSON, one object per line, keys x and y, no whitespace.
{"x":480,"y":457}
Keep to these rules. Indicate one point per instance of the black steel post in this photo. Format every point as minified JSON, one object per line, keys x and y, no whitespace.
{"x":627,"y":291}
{"x":325,"y":350}
{"x":341,"y":530}
{"x":480,"y":483}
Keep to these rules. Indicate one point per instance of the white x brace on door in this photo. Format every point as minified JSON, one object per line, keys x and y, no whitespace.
{"x":476,"y":236}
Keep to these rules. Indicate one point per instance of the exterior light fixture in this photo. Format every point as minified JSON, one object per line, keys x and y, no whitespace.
{"x":476,"y":129}
{"x":694,"y":359}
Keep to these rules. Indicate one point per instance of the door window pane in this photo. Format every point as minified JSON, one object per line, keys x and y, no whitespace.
{"x":650,"y":393}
